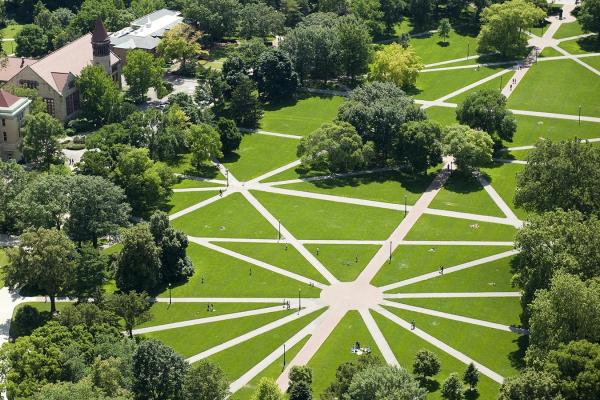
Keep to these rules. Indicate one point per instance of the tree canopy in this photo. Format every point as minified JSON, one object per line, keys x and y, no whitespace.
{"x":396,"y":64}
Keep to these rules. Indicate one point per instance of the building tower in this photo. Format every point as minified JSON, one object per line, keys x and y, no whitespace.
{"x":101,"y":46}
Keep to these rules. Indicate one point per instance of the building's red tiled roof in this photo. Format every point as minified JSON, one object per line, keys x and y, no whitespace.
{"x":7,"y":99}
{"x":13,"y":66}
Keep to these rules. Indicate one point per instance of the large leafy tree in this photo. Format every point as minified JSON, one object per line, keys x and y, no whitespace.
{"x":551,"y":242}
{"x":418,"y":145}
{"x":142,"y":72}
{"x":31,"y":41}
{"x":91,"y":272}
{"x":175,"y":265}
{"x":138,"y":263}
{"x":260,"y":20}
{"x":205,"y":144}
{"x":179,"y":43}
{"x":97,"y":207}
{"x":205,"y":380}
{"x":568,"y":310}
{"x":158,"y":372}
{"x":40,"y":140}
{"x":452,"y":388}
{"x":13,"y":180}
{"x":589,"y":15}
{"x":82,"y":390}
{"x":100,"y":98}
{"x":42,"y":203}
{"x":216,"y":18}
{"x":392,"y":13}
{"x":426,"y":364}
{"x":345,"y":373}
{"x":45,"y":260}
{"x":505,"y":27}
{"x":486,"y":110}
{"x":377,"y":110}
{"x":230,"y":135}
{"x":396,"y":64}
{"x":335,"y":147}
{"x":144,"y":7}
{"x":267,"y":389}
{"x":114,"y":18}
{"x":147,"y":184}
{"x":354,"y":45}
{"x":275,"y":75}
{"x":244,"y":107}
{"x":132,"y":307}
{"x":370,"y":12}
{"x":388,"y":382}
{"x":471,"y":148}
{"x":530,"y":384}
{"x":553,"y":178}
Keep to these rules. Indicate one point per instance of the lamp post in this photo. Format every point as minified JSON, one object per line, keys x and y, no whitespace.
{"x":501,"y":76}
{"x":170,"y":297}
{"x":468,"y":49}
{"x":390,"y":260}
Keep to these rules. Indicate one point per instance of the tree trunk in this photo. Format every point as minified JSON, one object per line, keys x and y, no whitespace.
{"x":52,"y":304}
{"x":95,"y":241}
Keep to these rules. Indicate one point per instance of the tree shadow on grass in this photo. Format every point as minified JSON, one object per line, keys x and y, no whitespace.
{"x":412,"y":183}
{"x":462,"y":184}
{"x":230,"y":158}
{"x":443,"y":44}
{"x":292,"y":101}
{"x":429,"y":384}
{"x":471,"y":394}
{"x":517,"y":357}
{"x":590,"y":44}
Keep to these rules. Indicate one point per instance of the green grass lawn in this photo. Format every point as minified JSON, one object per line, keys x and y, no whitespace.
{"x":279,"y":255}
{"x":568,"y":30}
{"x":272,"y":372}
{"x":503,"y":179}
{"x":194,"y":183}
{"x":300,"y":117}
{"x":537,"y":91}
{"x":390,"y":187}
{"x":345,"y":262}
{"x":41,"y":306}
{"x":336,"y":350}
{"x":319,"y":219}
{"x":432,"y":49}
{"x":433,"y":85}
{"x":259,"y":154}
{"x":183,"y":165}
{"x":405,"y":345}
{"x":491,"y":277}
{"x":11,"y":31}
{"x":219,"y":275}
{"x":585,"y":45}
{"x":517,"y":154}
{"x":497,"y":350}
{"x":530,"y":129}
{"x":237,"y":360}
{"x":231,"y":216}
{"x":465,"y":194}
{"x":164,"y":313}
{"x":502,"y":310}
{"x":192,"y":340}
{"x":409,"y":261}
{"x":182,"y":200}
{"x":3,"y":262}
{"x":495,"y":84}
{"x":550,"y":52}
{"x":593,"y":62}
{"x":9,"y":47}
{"x":434,"y":227}
{"x":443,"y":115}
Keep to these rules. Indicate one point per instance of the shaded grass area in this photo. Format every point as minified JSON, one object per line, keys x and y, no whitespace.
{"x":192,"y":340}
{"x":405,"y":345}
{"x":239,"y":359}
{"x":503,"y":178}
{"x":390,"y":186}
{"x":11,"y":31}
{"x":194,"y":183}
{"x":538,"y":89}
{"x":219,"y":275}
{"x":300,"y":117}
{"x":3,"y":262}
{"x":165,"y":313}
{"x":409,"y":261}
{"x":432,"y":49}
{"x":443,"y":115}
{"x":259,"y":154}
{"x":277,"y":254}
{"x":490,"y":277}
{"x":530,"y":129}
{"x":345,"y":262}
{"x":433,"y":85}
{"x":231,"y":216}
{"x":272,"y":372}
{"x":502,"y":310}
{"x":336,"y":350}
{"x":433,"y":227}
{"x":498,"y":350}
{"x":550,"y":52}
{"x":182,"y":200}
{"x":589,"y":44}
{"x":183,"y":165}
{"x":318,"y":219}
{"x":465,"y":194}
{"x":568,"y":30}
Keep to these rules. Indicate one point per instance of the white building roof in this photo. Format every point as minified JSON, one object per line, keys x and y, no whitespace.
{"x":145,"y":32}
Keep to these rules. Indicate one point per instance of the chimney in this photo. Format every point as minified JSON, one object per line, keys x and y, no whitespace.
{"x":22,"y":62}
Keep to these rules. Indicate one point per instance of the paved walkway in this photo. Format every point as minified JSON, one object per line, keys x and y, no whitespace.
{"x":439,"y":295}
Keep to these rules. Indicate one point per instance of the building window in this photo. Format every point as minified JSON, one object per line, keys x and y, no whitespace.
{"x":28,"y":84}
{"x":5,"y":137}
{"x":50,"y":106}
{"x":72,"y":103}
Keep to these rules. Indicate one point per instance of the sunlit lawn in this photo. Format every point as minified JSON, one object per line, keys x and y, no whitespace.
{"x":432,"y":49}
{"x":589,"y":44}
{"x":568,"y":30}
{"x":503,"y":178}
{"x":194,"y":183}
{"x":433,"y":85}
{"x":182,"y":200}
{"x":345,"y":262}
{"x":550,"y":52}
{"x":443,"y":115}
{"x":530,"y":129}
{"x":465,"y":194}
{"x":434,"y":227}
{"x":495,"y":84}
